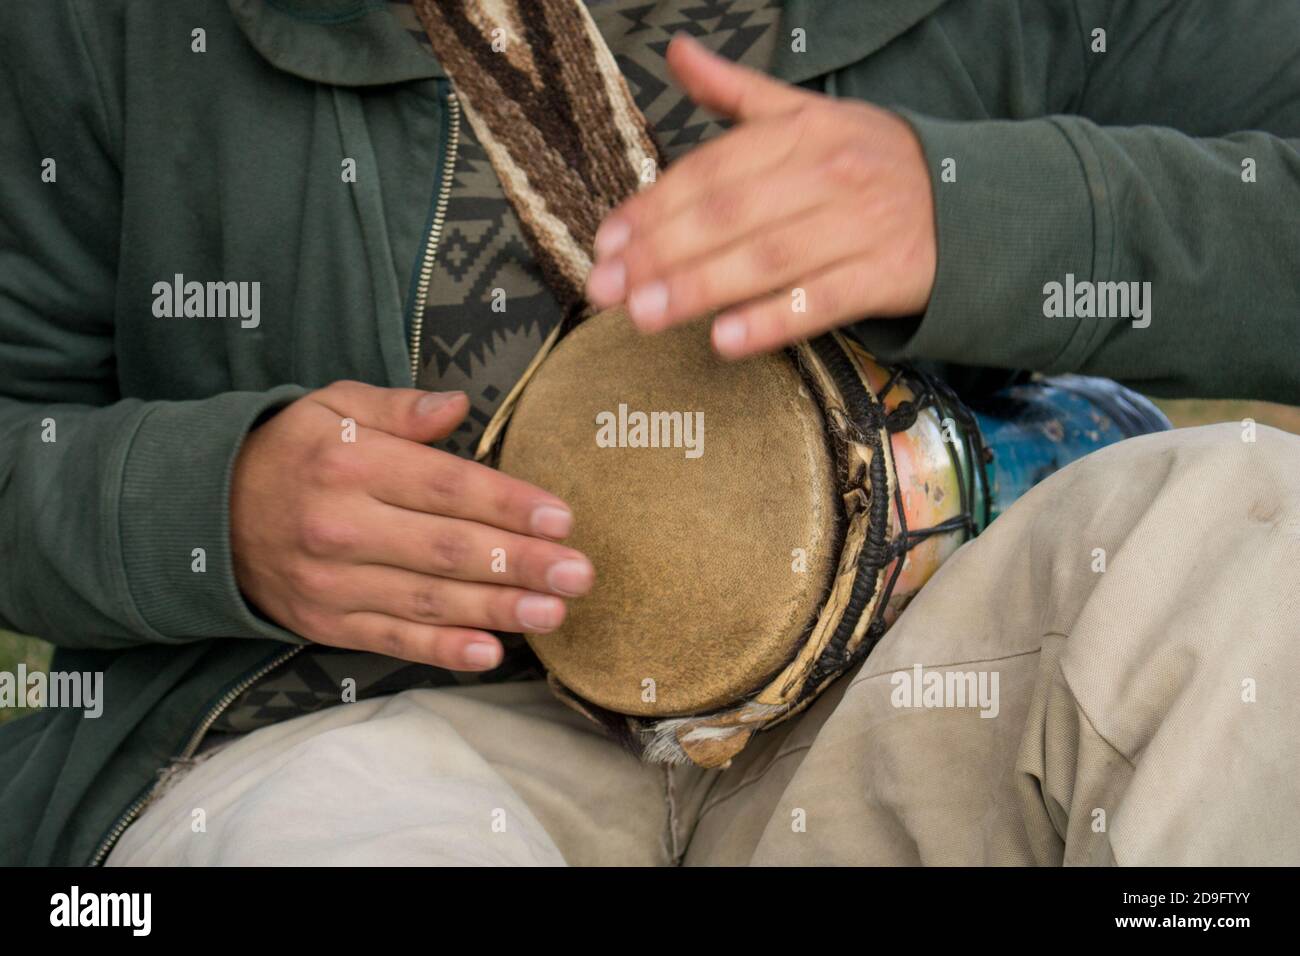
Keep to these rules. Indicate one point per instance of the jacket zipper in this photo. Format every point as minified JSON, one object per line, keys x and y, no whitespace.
{"x":221,"y":706}
{"x":435,"y":230}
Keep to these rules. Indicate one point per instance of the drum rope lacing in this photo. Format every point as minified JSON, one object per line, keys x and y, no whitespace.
{"x":867,"y":418}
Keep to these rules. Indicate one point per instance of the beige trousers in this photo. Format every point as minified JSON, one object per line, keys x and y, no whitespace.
{"x":1110,"y":674}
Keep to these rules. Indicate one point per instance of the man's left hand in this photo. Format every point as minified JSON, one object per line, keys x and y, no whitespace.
{"x":808,"y":214}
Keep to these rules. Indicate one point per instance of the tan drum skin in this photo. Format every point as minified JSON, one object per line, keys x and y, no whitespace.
{"x":709,"y":569}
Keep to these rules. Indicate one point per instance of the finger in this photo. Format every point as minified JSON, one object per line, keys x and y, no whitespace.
{"x":758,"y":264}
{"x":735,"y":91}
{"x":409,"y":413}
{"x":455,"y":648}
{"x":434,"y":482}
{"x":739,"y":153}
{"x":837,"y":295}
{"x":721,"y":217}
{"x":428,"y":600}
{"x":449,"y":548}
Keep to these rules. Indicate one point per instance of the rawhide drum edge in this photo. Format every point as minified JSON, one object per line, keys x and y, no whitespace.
{"x":698,"y":487}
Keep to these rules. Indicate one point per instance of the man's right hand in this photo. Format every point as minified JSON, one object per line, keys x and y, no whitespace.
{"x":383,"y":544}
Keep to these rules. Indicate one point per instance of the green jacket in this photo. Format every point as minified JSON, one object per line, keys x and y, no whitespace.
{"x":1125,"y":165}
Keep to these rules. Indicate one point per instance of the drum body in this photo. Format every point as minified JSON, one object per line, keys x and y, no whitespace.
{"x":744,"y":519}
{"x":756,"y":526}
{"x":704,"y":493}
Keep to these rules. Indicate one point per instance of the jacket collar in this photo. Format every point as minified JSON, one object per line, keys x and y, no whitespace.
{"x":359,"y":43}
{"x":339,"y":42}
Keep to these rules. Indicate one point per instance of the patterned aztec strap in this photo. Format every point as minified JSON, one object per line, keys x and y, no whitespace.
{"x":551,"y":109}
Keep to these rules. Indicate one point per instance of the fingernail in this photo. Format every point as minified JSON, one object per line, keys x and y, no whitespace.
{"x":648,"y":303}
{"x":483,"y":655}
{"x":605,"y":285}
{"x":571,"y":577}
{"x":430,"y":403}
{"x":612,"y":236}
{"x":551,"y":521}
{"x":729,"y":335}
{"x":539,"y":613}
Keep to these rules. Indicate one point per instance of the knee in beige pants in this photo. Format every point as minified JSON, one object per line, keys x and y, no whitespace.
{"x":1140,"y":611}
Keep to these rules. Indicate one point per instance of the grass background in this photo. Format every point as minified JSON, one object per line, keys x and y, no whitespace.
{"x":15,"y":650}
{"x":36,"y":654}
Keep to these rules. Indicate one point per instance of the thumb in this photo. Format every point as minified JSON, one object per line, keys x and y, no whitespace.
{"x":409,"y":413}
{"x":735,"y":91}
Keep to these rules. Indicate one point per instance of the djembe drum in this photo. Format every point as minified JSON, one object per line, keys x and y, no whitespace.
{"x":755,"y":526}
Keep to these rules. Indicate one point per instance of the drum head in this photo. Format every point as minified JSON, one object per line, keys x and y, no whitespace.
{"x":714,"y":550}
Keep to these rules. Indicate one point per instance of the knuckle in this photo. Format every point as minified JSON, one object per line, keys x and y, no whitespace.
{"x":324,"y":535}
{"x":500,"y":610}
{"x":850,"y":166}
{"x":337,"y":464}
{"x":721,"y":208}
{"x":340,"y":388}
{"x":773,"y":324}
{"x":447,"y":483}
{"x":448,"y":553}
{"x":428,"y":604}
{"x":505,"y":501}
{"x":437,"y":645}
{"x":772,"y":254}
{"x":534,"y":563}
{"x":826,"y":299}
{"x":311,"y":580}
{"x":779,"y":318}
{"x":390,"y":641}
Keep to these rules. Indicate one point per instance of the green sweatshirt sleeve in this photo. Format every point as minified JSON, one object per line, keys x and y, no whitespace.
{"x":113,"y":511}
{"x":1209,"y":98}
{"x":116,"y":521}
